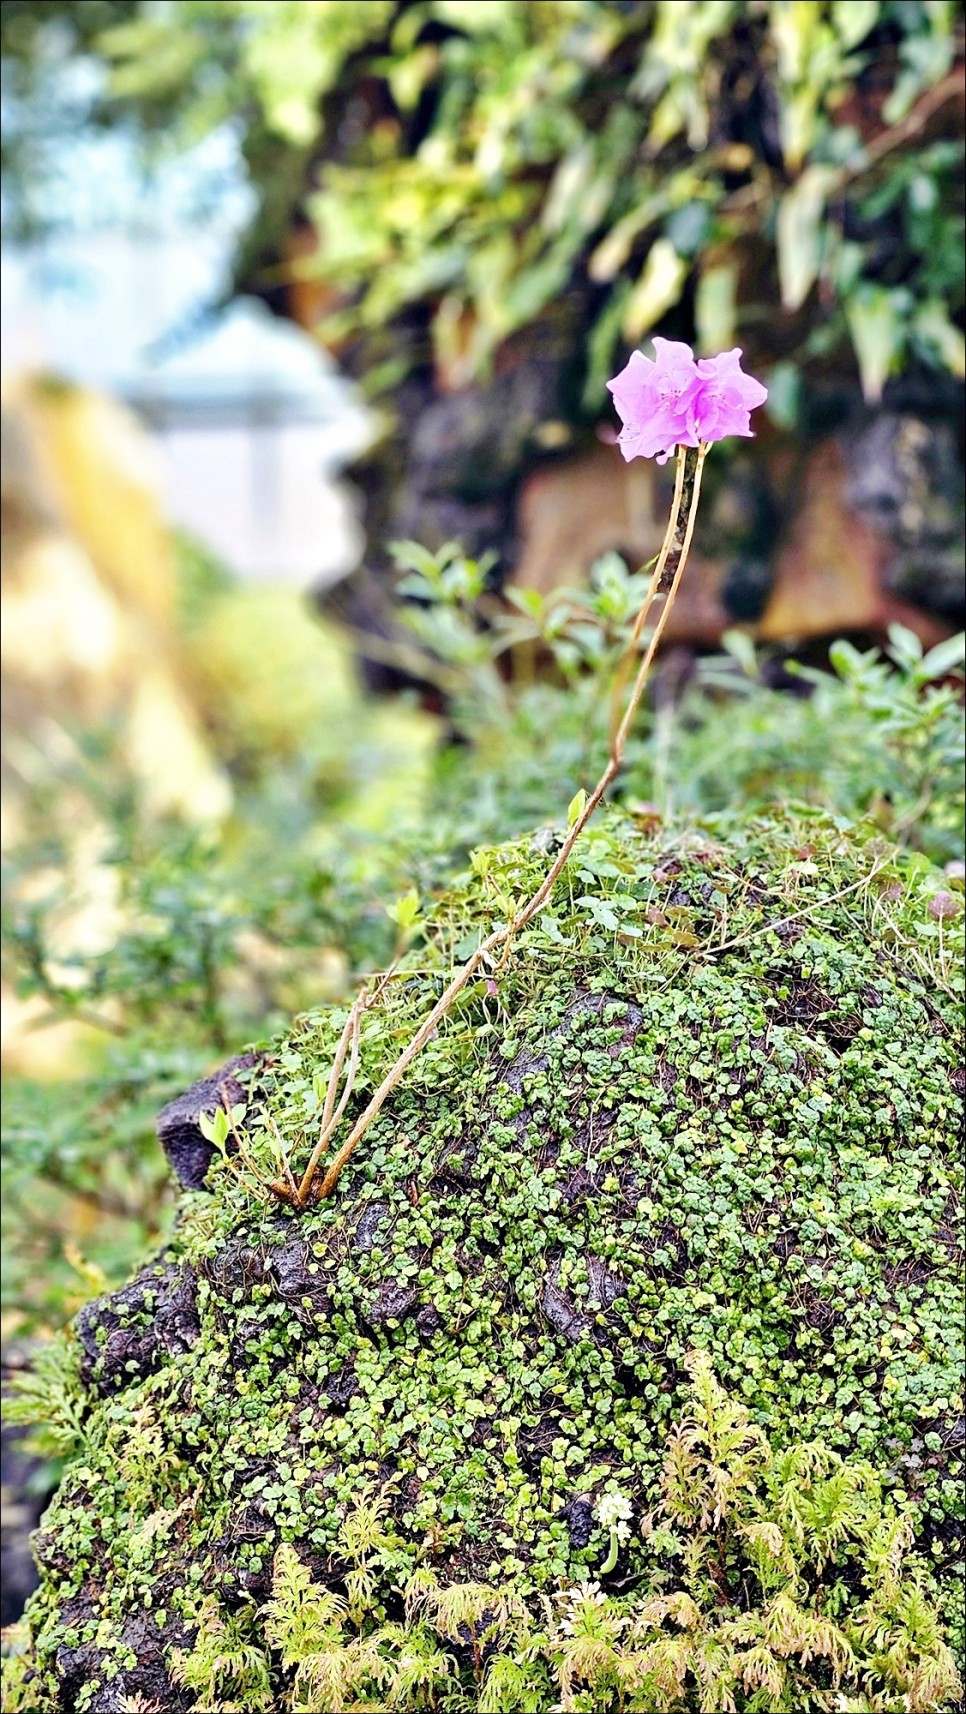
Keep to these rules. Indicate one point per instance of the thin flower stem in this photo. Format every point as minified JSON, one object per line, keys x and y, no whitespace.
{"x":243,"y":1153}
{"x":350,"y":1078}
{"x":283,"y":1158}
{"x":501,"y":937}
{"x":666,"y":545}
{"x":658,"y":632}
{"x":355,"y":1031}
{"x":349,"y":1042}
{"x":426,"y":1029}
{"x":339,"y":1061}
{"x":654,"y":585}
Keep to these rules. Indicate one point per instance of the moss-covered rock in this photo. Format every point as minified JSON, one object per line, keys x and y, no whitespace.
{"x":709,"y":1101}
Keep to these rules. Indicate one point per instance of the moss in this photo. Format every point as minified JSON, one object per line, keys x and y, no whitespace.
{"x":710,"y":1101}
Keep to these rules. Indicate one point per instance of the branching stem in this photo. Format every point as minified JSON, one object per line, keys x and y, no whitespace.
{"x":500,"y":938}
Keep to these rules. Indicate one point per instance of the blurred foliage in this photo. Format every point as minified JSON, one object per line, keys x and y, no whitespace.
{"x":221,"y":934}
{"x":85,"y":1184}
{"x":167,"y":944}
{"x":782,"y":172}
{"x":275,"y":687}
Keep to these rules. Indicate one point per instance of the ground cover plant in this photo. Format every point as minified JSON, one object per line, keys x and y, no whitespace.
{"x":713,"y":1103}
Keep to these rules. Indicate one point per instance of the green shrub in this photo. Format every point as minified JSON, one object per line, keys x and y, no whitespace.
{"x":879,"y":736}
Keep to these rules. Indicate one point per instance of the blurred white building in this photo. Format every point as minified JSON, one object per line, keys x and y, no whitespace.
{"x":251,"y":420}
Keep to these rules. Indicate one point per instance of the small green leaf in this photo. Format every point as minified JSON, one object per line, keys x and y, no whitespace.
{"x":784,"y":395}
{"x":575,"y":808}
{"x":741,"y":649}
{"x":877,"y":334}
{"x":944,"y":658}
{"x":934,"y":326}
{"x":214,"y":1126}
{"x":529,"y":601}
{"x":405,"y":911}
{"x":467,"y":945}
{"x":905,"y":647}
{"x":411,"y":556}
{"x":854,"y":19}
{"x":613,"y":251}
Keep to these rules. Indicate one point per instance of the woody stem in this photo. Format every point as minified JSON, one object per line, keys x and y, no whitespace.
{"x":655,"y":582}
{"x":500,"y":937}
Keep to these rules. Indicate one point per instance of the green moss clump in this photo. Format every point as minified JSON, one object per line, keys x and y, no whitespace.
{"x":709,"y":1102}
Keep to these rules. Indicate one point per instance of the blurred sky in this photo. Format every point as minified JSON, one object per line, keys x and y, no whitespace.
{"x":250,"y":419}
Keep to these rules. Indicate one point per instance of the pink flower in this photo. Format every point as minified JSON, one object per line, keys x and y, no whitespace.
{"x":723,"y":404}
{"x":677,"y":402}
{"x":654,"y":401}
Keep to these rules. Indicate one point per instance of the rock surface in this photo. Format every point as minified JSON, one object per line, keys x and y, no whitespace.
{"x":179,"y":1132}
